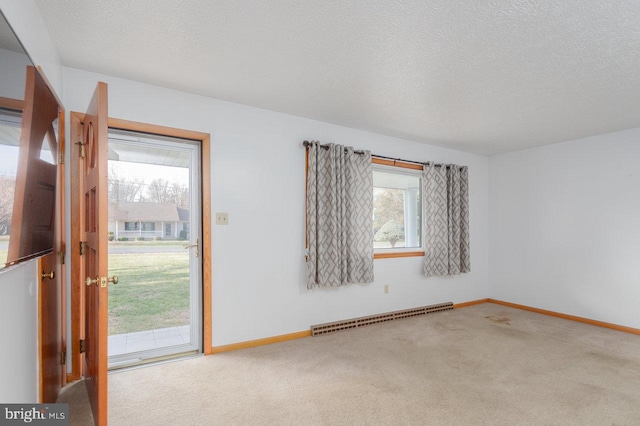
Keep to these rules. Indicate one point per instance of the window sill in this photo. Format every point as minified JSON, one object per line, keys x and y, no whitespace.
{"x":391,"y":255}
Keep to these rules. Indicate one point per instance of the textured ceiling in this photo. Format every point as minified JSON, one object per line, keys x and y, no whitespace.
{"x":484,"y":76}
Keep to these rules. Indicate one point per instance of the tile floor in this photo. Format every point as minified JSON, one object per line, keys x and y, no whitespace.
{"x":149,"y":339}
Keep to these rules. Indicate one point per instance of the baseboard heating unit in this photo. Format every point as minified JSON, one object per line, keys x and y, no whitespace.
{"x":331,"y":327}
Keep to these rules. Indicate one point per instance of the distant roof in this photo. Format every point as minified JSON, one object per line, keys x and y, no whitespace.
{"x":183,"y":214}
{"x":147,"y":212}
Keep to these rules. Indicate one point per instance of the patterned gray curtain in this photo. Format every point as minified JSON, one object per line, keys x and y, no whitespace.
{"x":339,"y":216}
{"x":445,"y":197}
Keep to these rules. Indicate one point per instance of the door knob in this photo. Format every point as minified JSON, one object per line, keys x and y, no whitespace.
{"x":51,"y":275}
{"x":90,"y":281}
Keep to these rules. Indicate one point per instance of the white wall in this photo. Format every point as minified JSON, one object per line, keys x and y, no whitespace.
{"x":259,"y":287}
{"x":26,"y":21}
{"x":13,"y":74}
{"x":565,"y":227}
{"x":19,"y":380}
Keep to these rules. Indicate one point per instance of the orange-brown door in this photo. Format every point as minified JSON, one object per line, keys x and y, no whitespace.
{"x":52,"y":300}
{"x":35,"y":190}
{"x":40,"y":188}
{"x":96,"y":283}
{"x":51,"y":328}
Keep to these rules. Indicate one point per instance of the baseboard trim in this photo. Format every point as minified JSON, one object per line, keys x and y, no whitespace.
{"x":470,"y":303}
{"x":307,"y":333}
{"x":567,"y":317}
{"x":259,"y":342}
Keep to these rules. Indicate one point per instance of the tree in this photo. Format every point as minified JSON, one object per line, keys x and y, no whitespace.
{"x":179,"y":194}
{"x":7,"y":188}
{"x":123,"y":189}
{"x":388,"y":204}
{"x":391,"y":231}
{"x":157,"y":191}
{"x":161,"y":191}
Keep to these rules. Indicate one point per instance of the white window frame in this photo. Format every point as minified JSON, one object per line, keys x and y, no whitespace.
{"x":400,"y":251}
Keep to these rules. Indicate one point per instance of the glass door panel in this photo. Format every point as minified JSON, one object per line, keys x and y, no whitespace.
{"x":154,"y":226}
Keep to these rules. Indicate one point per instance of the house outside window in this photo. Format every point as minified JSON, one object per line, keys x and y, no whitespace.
{"x":148,"y":226}
{"x":397,"y":209}
{"x":131,"y":226}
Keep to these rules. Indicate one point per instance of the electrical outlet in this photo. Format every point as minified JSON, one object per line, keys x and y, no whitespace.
{"x":222,"y":218}
{"x":386,"y":289}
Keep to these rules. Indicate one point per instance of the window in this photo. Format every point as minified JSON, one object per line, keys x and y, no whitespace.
{"x":397,"y":209}
{"x":137,"y":226}
{"x":131,"y":226}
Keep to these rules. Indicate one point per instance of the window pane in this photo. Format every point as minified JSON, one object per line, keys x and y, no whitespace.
{"x":396,"y":209}
{"x":131,"y":226}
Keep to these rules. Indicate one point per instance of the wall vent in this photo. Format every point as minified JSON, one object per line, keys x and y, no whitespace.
{"x":331,"y":327}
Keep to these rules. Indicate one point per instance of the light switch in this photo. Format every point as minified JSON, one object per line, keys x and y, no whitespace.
{"x":222,"y":218}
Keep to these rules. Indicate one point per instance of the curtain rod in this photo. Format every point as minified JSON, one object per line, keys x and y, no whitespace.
{"x":307,"y":144}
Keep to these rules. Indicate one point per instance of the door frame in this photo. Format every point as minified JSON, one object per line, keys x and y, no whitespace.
{"x":165,"y":148}
{"x":77,"y":288}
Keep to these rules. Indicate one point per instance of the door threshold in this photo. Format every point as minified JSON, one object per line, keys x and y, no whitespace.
{"x":134,"y":362}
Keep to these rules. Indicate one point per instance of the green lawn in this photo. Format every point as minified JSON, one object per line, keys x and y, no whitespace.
{"x":153,"y":291}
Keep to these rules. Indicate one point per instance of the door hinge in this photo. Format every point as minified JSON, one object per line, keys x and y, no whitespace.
{"x":63,"y":254}
{"x":83,"y":245}
{"x":63,"y":357}
{"x":61,"y":157}
{"x":82,"y":150}
{"x":82,"y":346}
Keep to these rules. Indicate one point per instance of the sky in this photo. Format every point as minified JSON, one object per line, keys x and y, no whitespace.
{"x":149,"y":172}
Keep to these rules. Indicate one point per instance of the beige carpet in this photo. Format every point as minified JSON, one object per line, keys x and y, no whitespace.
{"x":484,"y":364}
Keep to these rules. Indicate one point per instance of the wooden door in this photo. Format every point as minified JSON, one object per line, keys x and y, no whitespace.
{"x":52,"y":296}
{"x":51,"y":328}
{"x":35,"y":191}
{"x":93,"y":208}
{"x":39,"y":223}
